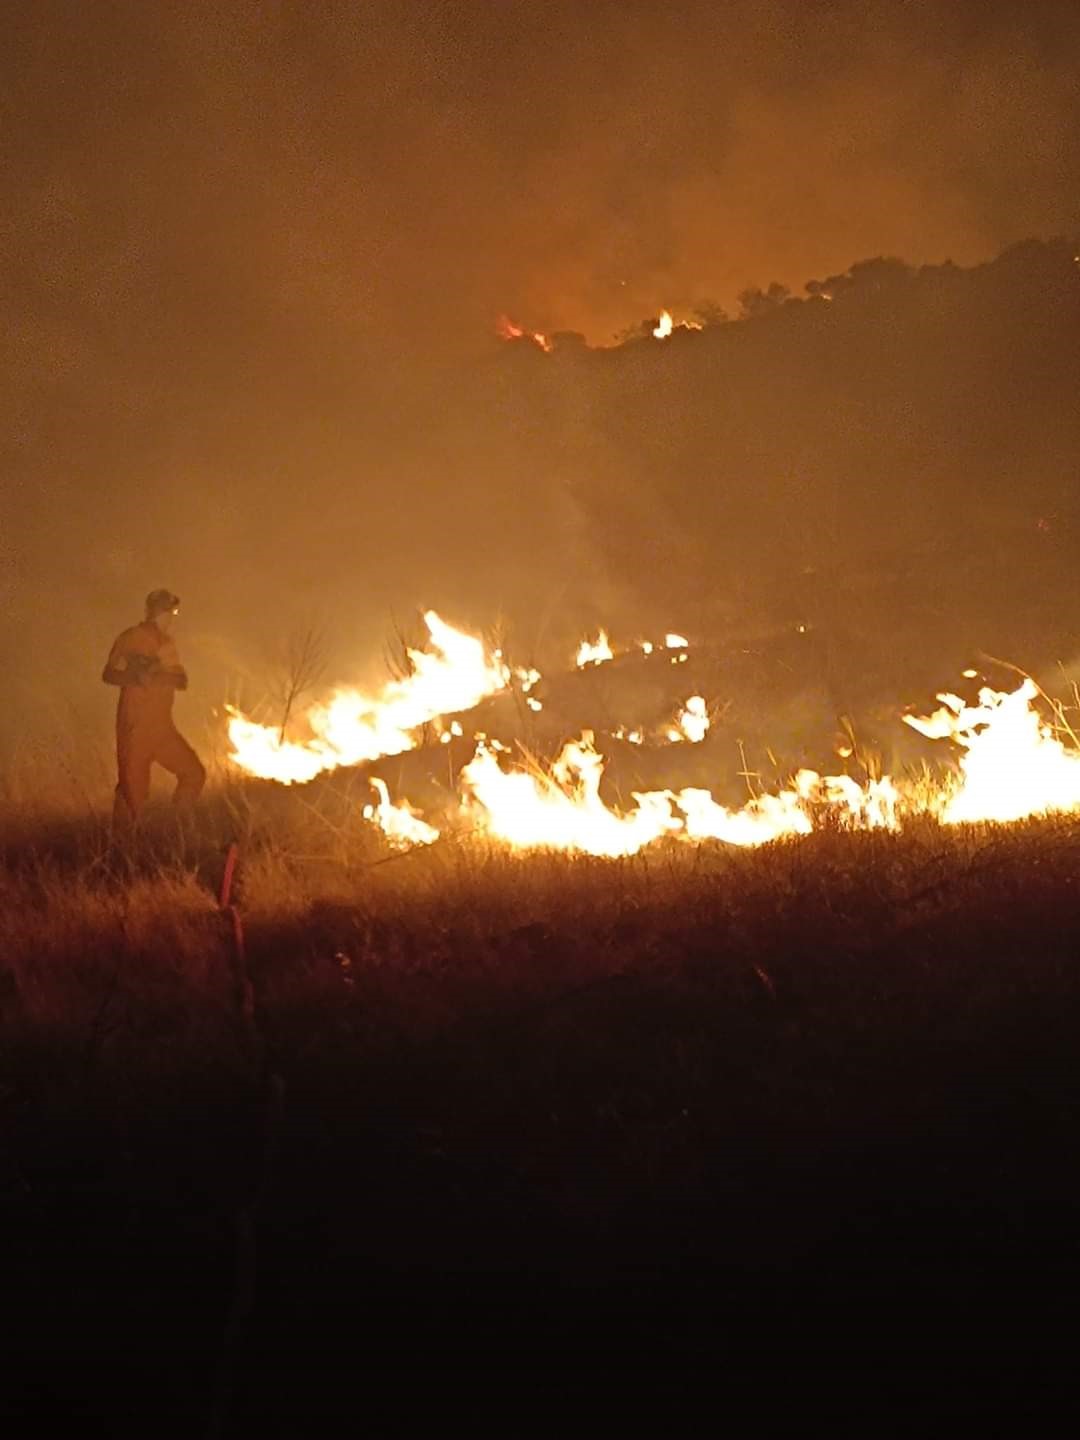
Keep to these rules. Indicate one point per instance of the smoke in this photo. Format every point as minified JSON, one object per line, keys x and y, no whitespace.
{"x":253,"y":253}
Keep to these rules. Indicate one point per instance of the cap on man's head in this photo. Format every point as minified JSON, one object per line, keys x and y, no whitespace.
{"x":158,"y":602}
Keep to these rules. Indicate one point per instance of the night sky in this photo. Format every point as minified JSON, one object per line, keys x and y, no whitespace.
{"x":249,"y":250}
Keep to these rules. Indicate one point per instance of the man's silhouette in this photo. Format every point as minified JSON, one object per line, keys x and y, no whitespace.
{"x":144,"y":663}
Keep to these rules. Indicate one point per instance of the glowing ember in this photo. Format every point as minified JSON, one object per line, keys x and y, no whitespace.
{"x":399,"y":823}
{"x":594,"y":652}
{"x":455,"y":674}
{"x":1013,"y":764}
{"x":675,"y":642}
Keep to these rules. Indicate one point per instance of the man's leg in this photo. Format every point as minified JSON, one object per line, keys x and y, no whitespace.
{"x":174,"y":754}
{"x":134,"y":755}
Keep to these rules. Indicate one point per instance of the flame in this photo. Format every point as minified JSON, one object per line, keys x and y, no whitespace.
{"x":1013,"y":764}
{"x":399,"y":823}
{"x":594,"y":652}
{"x":561,"y":809}
{"x":632,"y":737}
{"x":665,"y":325}
{"x":691,"y":723}
{"x":507,"y":330}
{"x":455,"y":674}
{"x":791,"y":812}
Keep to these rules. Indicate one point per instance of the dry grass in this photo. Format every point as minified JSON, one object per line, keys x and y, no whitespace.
{"x":842,"y":1066}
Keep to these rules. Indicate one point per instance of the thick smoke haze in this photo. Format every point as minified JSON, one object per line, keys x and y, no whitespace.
{"x":253,"y":257}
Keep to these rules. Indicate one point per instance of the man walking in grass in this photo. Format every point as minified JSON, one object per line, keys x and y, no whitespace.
{"x":145,"y":665}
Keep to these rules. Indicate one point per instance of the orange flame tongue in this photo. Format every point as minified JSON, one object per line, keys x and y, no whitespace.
{"x":454,"y":675}
{"x":507,"y":330}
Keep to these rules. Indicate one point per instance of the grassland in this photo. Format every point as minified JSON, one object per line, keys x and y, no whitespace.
{"x":486,"y":1120}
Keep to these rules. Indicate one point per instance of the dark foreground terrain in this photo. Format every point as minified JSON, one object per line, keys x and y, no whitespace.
{"x":499,"y":1145}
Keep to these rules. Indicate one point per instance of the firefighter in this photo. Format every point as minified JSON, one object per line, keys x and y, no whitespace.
{"x":143,"y":662}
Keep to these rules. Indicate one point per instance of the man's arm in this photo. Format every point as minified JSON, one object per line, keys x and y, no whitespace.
{"x":143,"y":670}
{"x":127,"y":670}
{"x":127,"y":663}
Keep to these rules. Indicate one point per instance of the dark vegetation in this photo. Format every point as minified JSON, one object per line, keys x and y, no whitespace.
{"x":889,"y":460}
{"x":492,"y":1140}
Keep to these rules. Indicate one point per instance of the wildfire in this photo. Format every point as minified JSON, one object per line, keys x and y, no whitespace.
{"x":666,"y":325}
{"x":691,"y":723}
{"x":399,"y":823}
{"x":455,"y":674}
{"x":594,"y":652}
{"x":561,"y":809}
{"x":507,"y":330}
{"x":1013,"y":764}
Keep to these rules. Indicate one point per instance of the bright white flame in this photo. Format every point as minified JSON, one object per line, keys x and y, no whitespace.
{"x":790,"y":812}
{"x":399,"y":823}
{"x":665,"y":325}
{"x":766,"y":818}
{"x":1013,"y":764}
{"x":562,"y":808}
{"x":594,"y":652}
{"x":453,"y":675}
{"x":693,"y":720}
{"x":675,"y":642}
